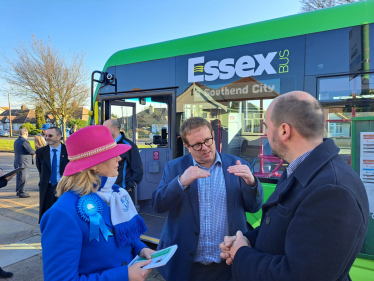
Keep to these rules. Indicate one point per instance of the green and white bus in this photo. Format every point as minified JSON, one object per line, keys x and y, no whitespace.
{"x":229,"y":77}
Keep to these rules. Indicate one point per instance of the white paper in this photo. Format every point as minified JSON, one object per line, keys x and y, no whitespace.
{"x":159,"y":258}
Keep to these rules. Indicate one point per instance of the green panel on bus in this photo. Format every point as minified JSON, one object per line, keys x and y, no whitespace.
{"x":299,"y":24}
{"x":255,"y":219}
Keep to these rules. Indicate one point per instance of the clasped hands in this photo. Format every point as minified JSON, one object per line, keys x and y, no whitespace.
{"x":231,"y":245}
{"x":194,"y":172}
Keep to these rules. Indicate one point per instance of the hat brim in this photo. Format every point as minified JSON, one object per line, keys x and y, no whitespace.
{"x":74,"y":167}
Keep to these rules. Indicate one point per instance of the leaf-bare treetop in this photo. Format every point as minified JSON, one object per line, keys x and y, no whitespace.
{"x":312,"y":5}
{"x":40,"y":74}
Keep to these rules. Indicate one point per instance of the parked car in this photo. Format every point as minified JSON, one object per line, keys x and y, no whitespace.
{"x":4,"y":133}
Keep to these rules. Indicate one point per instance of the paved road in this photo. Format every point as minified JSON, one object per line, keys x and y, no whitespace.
{"x":20,"y":249}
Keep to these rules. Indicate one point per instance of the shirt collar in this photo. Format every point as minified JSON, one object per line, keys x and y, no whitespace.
{"x":118,"y":138}
{"x":58,"y":148}
{"x":292,"y":167}
{"x":218,"y":160}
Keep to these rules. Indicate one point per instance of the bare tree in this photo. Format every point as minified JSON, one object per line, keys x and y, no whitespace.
{"x":312,"y":5}
{"x":40,"y":74}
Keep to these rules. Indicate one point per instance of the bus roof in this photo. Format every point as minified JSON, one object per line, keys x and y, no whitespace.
{"x":317,"y":21}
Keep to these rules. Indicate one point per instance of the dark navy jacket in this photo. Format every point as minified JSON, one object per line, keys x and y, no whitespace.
{"x":130,"y":169}
{"x":23,"y":153}
{"x":313,"y":225}
{"x":3,"y":183}
{"x":182,"y":225}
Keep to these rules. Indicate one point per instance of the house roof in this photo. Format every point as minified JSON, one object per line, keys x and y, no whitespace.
{"x":80,"y":113}
{"x":19,"y":116}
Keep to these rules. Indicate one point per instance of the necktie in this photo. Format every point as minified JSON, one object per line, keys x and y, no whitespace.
{"x":54,"y":168}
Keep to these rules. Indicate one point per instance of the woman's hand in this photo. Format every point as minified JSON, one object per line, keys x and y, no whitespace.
{"x":146,"y":253}
{"x":137,"y":273}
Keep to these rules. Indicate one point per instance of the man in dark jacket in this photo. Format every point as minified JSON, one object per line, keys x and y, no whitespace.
{"x":73,"y":130}
{"x":3,"y":183}
{"x":23,"y":158}
{"x":315,"y":222}
{"x":130,"y":169}
{"x":51,"y":161}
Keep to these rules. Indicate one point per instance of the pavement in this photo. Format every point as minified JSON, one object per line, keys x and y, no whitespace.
{"x":20,"y":247}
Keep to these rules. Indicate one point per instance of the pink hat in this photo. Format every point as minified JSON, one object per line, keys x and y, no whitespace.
{"x":90,"y":146}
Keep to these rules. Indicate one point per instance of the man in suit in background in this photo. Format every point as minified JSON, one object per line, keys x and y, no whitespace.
{"x":51,"y":161}
{"x":73,"y":130}
{"x":23,"y":158}
{"x":40,"y":138}
{"x":207,"y":194}
{"x":130,"y":169}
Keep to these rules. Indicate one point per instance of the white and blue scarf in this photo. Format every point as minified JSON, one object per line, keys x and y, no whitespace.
{"x":128,"y":225}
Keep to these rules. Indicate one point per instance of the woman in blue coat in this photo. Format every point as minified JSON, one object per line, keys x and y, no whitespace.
{"x":92,"y":231}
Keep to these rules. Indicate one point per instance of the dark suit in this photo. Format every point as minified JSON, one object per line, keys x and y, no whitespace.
{"x":46,"y":190}
{"x":183,"y":222}
{"x":130,"y":168}
{"x":313,"y":225}
{"x":23,"y":158}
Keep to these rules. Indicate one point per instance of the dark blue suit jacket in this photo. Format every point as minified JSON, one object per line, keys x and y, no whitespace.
{"x":183,"y":222}
{"x":23,"y":153}
{"x":313,"y":225}
{"x":69,"y":255}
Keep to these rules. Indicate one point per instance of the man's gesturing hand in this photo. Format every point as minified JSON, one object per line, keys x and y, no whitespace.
{"x":231,"y":245}
{"x":191,"y":174}
{"x":244,"y":172}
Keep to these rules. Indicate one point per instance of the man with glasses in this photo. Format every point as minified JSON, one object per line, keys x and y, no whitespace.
{"x":51,"y":161}
{"x":207,"y":195}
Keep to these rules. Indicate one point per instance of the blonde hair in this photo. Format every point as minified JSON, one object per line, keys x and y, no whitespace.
{"x":82,"y":183}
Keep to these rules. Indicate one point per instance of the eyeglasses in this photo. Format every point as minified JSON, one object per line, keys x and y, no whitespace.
{"x":49,"y":136}
{"x":199,"y":146}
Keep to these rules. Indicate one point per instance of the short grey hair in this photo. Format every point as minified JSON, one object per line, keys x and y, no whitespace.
{"x":23,"y":131}
{"x":192,"y":124}
{"x":306,"y":116}
{"x":58,"y":130}
{"x":115,"y":123}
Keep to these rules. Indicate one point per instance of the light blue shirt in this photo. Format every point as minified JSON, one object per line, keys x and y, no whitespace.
{"x":58,"y":155}
{"x":213,"y":213}
{"x":118,"y":138}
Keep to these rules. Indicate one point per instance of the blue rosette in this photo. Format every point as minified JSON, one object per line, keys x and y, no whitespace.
{"x":90,"y":210}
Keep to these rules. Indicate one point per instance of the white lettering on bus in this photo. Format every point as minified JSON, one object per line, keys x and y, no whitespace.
{"x":224,"y":91}
{"x":227,"y":68}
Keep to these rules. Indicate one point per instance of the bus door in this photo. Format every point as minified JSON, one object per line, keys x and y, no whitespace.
{"x":342,"y":98}
{"x":146,"y":119}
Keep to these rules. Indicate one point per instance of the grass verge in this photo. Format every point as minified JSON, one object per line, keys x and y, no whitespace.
{"x":7,"y":145}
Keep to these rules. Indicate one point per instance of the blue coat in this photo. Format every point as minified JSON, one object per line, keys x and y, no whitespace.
{"x":313,"y":225}
{"x":67,"y":253}
{"x":183,"y":223}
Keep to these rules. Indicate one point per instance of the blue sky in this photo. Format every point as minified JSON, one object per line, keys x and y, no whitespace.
{"x":101,"y":28}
